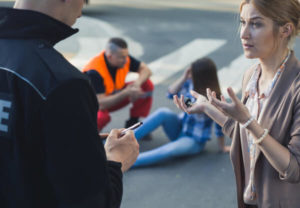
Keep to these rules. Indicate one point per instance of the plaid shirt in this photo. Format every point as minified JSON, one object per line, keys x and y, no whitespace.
{"x":198,"y":126}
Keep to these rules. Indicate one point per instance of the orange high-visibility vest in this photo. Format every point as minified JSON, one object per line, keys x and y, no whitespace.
{"x":98,"y":64}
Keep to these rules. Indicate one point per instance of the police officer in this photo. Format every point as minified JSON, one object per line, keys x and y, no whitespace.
{"x":50,"y":151}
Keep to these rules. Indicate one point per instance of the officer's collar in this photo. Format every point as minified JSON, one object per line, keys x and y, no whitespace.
{"x":27,"y":24}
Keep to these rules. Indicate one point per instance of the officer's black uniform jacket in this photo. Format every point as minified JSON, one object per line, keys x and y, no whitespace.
{"x":50,"y":152}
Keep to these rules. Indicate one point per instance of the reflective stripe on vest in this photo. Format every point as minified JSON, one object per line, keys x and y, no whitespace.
{"x":98,"y":63}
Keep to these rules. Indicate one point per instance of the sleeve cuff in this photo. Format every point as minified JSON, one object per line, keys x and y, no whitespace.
{"x":292,"y":173}
{"x":228,"y":127}
{"x":113,"y":164}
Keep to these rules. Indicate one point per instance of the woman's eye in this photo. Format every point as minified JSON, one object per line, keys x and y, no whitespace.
{"x":256,"y":24}
{"x":242,"y":22}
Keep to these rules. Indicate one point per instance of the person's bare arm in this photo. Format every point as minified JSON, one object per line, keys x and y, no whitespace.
{"x":107,"y":101}
{"x":176,"y":86}
{"x":144,"y":74}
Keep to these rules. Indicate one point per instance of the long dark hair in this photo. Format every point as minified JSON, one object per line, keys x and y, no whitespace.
{"x":204,"y":75}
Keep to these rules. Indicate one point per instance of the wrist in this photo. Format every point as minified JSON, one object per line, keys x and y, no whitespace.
{"x":262,"y":136}
{"x":138,"y":83}
{"x":125,"y":92}
{"x":245,"y":118}
{"x":247,"y":122}
{"x":255,"y":129}
{"x":207,"y":108}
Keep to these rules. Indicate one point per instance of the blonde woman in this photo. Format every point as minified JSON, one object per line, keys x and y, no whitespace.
{"x":265,"y":124}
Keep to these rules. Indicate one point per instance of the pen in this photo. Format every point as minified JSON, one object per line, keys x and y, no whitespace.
{"x":123,"y":132}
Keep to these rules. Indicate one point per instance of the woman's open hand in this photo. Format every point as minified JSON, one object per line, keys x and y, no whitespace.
{"x":197,"y":107}
{"x":234,"y":109}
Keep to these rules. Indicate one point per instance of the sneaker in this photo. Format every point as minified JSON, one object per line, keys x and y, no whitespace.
{"x":130,"y":122}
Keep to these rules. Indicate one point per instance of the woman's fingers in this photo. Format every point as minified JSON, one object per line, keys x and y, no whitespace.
{"x":214,"y":95}
{"x":218,"y":103}
{"x":222,"y":104}
{"x":209,"y":95}
{"x":194,"y":94}
{"x":182,"y":104}
{"x":175,"y":100}
{"x":179,"y":102}
{"x":232,"y":95}
{"x":223,"y":98}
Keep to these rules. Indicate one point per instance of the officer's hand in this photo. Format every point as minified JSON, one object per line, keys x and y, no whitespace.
{"x":123,"y":149}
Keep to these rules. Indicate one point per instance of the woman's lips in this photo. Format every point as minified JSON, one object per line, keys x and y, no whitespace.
{"x":247,"y":46}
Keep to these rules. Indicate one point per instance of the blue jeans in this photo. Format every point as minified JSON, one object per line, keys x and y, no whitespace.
{"x":180,"y":145}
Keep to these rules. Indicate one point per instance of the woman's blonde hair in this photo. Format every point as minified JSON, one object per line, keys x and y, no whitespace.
{"x":281,"y":12}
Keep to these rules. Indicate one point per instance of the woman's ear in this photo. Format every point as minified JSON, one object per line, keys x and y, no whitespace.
{"x":286,"y":30}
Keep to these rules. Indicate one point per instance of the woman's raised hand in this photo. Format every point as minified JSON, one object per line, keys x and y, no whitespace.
{"x":235,"y":109}
{"x":197,"y":107}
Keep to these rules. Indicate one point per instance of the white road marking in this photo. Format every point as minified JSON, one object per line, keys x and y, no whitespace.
{"x":90,"y":47}
{"x":232,"y":75}
{"x":92,"y":38}
{"x":215,"y":5}
{"x":166,"y":66}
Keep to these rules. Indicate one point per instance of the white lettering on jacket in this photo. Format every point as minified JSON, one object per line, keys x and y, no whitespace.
{"x":4,"y":114}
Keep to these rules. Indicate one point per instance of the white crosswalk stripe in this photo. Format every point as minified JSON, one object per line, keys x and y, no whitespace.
{"x":232,"y":75}
{"x":164,"y":67}
{"x":92,"y":38}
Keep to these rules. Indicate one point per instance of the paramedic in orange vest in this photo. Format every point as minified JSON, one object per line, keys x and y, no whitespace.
{"x":107,"y":72}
